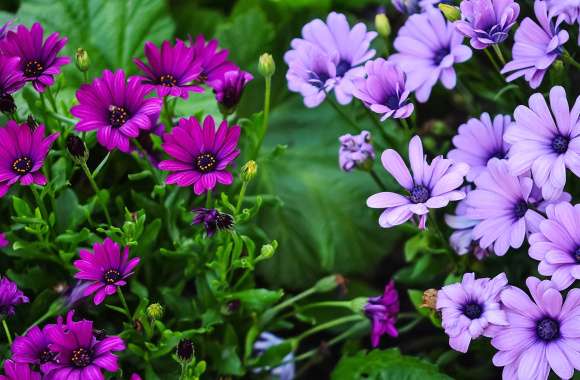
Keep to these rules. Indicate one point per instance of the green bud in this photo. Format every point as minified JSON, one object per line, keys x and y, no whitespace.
{"x":82,"y":60}
{"x":382,"y":25}
{"x":266,"y":65}
{"x":267,"y":251}
{"x":358,"y":304}
{"x":155,"y":311}
{"x":77,"y":149}
{"x":450,"y":12}
{"x":249,"y":171}
{"x":328,"y":283}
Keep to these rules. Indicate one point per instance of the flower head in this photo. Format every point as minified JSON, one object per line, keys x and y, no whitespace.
{"x":33,"y":348}
{"x":542,"y":333}
{"x":428,"y":46}
{"x":38,"y":58}
{"x":382,"y":311}
{"x":565,"y":10}
{"x":116,"y":108}
{"x":546,"y":140}
{"x":185,"y":350}
{"x":470,"y":308}
{"x":432,"y":186}
{"x":407,"y":7}
{"x":213,"y":62}
{"x":19,"y":371}
{"x":11,"y":78}
{"x":22,"y":154}
{"x":355,"y":151}
{"x":213,"y":220}
{"x":383,"y":90}
{"x":201,"y":155}
{"x":10,"y":296}
{"x":4,"y":241}
{"x":106,"y":268}
{"x":286,"y":371}
{"x":170,"y":69}
{"x":230,"y":87}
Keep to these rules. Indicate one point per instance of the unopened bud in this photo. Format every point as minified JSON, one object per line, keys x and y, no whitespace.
{"x":7,"y":104}
{"x":430,"y":299}
{"x":450,"y":12}
{"x":249,"y":171}
{"x":267,"y":251}
{"x":266,"y":65}
{"x":382,"y":25}
{"x":82,"y":60}
{"x":77,"y":149}
{"x":155,"y":311}
{"x":185,"y":350}
{"x":32,"y":123}
{"x":328,"y":283}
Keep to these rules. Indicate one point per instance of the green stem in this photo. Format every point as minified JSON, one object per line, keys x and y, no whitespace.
{"x":345,"y":304}
{"x":569,"y":60}
{"x":329,"y":325}
{"x":208,"y":199}
{"x":124,"y":303}
{"x":7,"y":331}
{"x":241,"y":197}
{"x":40,"y":203}
{"x":409,"y":326}
{"x":271,"y":313}
{"x":145,"y":155}
{"x":266,"y":116}
{"x":62,"y":118}
{"x":378,"y":125}
{"x":377,"y":180}
{"x":499,"y":54}
{"x":86,"y":76}
{"x":344,"y":115}
{"x":493,"y":62}
{"x":51,"y":99}
{"x":89,"y":175}
{"x":405,"y":125}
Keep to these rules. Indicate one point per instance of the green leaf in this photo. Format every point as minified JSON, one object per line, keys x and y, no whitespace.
{"x":257,"y":299}
{"x":21,"y":207}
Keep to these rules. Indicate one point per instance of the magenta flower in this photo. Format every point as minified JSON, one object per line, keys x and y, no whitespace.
{"x":106,"y":268}
{"x":432,"y":186}
{"x":546,"y":144}
{"x":383,"y":90}
{"x":10,"y":296}
{"x":38,"y":59}
{"x":471,"y":308}
{"x":428,"y":46}
{"x":4,"y":241}
{"x":33,"y":348}
{"x":200,"y":155}
{"x":116,"y":108}
{"x":171,"y":69}
{"x":22,"y":154}
{"x":543,"y":333}
{"x":212,"y":220}
{"x":230,"y":87}
{"x":4,"y":29}
{"x":19,"y":371}
{"x":355,"y":151}
{"x":480,"y":140}
{"x":213,"y":62}
{"x":11,"y":78}
{"x":382,"y":311}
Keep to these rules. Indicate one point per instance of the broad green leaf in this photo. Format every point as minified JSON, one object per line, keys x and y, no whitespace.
{"x":257,"y":299}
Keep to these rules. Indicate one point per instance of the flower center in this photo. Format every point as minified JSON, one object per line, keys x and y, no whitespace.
{"x":318,"y":80}
{"x":520,"y":209}
{"x":168,"y":80}
{"x":392,"y":102}
{"x":419,"y":194}
{"x":342,"y":67}
{"x":560,"y":144}
{"x":117,"y":116}
{"x":499,"y":154}
{"x":472,"y":310}
{"x":224,"y":221}
{"x":203,"y":77}
{"x":577,"y":255}
{"x":33,"y":68}
{"x":111,"y":276}
{"x":81,"y":357}
{"x":46,"y":356}
{"x":440,"y":54}
{"x":205,"y":162}
{"x":548,"y":329}
{"x":22,"y":165}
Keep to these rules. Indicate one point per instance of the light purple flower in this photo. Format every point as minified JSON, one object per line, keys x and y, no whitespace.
{"x":428,"y":46}
{"x":4,"y":242}
{"x":546,"y":140}
{"x":432,"y":186}
{"x":565,"y":10}
{"x":536,"y":47}
{"x":19,"y":371}
{"x":480,"y":140}
{"x":406,"y":7}
{"x":33,"y":348}
{"x":471,"y":308}
{"x":355,"y":151}
{"x":382,"y":311}
{"x":543,"y":333}
{"x":10,"y":296}
{"x":266,"y":341}
{"x":383,"y":90}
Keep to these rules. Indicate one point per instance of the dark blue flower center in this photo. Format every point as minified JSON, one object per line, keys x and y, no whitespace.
{"x":342,"y":67}
{"x":440,"y":54}
{"x":81,"y":357}
{"x":577,"y":255}
{"x":111,"y":276}
{"x":547,"y":329}
{"x":33,"y":68}
{"x":205,"y":162}
{"x":22,"y":165}
{"x":392,"y":102}
{"x":520,"y":209}
{"x":117,"y":116}
{"x":560,"y":144}
{"x":500,"y":154}
{"x":318,"y":80}
{"x":472,"y":310}
{"x":168,"y":80}
{"x":419,"y":194}
{"x":46,"y":356}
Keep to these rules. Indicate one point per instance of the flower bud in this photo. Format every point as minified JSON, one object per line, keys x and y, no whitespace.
{"x":185,"y":350}
{"x":430,"y":299}
{"x":249,"y":171}
{"x":77,"y":149}
{"x":32,"y":123}
{"x":155,"y":311}
{"x":382,"y":25}
{"x":267,"y":251}
{"x":82,"y":60}
{"x":266,"y":65}
{"x":328,"y":283}
{"x":7,"y":104}
{"x":450,"y":12}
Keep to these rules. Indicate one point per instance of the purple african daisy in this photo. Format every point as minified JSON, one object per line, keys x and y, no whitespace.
{"x":557,"y":245}
{"x":106,"y":268}
{"x":432,"y":186}
{"x":383,"y":90}
{"x":10,"y":296}
{"x":406,"y":7}
{"x":79,"y":354}
{"x":382,"y":311}
{"x":213,"y":220}
{"x":480,"y":140}
{"x":536,"y":47}
{"x":229,"y":88}
{"x":4,"y":241}
{"x":471,"y":308}
{"x":38,"y":59}
{"x":171,"y":69}
{"x":11,"y":78}
{"x":546,"y":142}
{"x":487,"y":22}
{"x":428,"y":46}
{"x":213,"y":62}
{"x":22,"y":153}
{"x":355,"y":151}
{"x":116,"y":108}
{"x":33,"y":348}
{"x":565,"y":10}
{"x":543,"y":333}
{"x":201,"y":155}
{"x":19,"y":371}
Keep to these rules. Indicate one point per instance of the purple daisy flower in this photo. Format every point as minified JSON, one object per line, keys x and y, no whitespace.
{"x":10,"y":296}
{"x":22,"y":153}
{"x":4,"y":241}
{"x":557,"y":245}
{"x":33,"y":348}
{"x":546,"y":144}
{"x":201,"y":155}
{"x":543,"y":333}
{"x":480,"y":140}
{"x":19,"y":371}
{"x":536,"y":47}
{"x":382,"y":311}
{"x":106,"y":268}
{"x":171,"y":69}
{"x":432,"y":186}
{"x":406,"y":7}
{"x":11,"y":78}
{"x":213,"y":220}
{"x":565,"y":10}
{"x":487,"y":22}
{"x":428,"y":46}
{"x":116,"y":108}
{"x":471,"y":308}
{"x":38,"y":59}
{"x":229,"y":88}
{"x":213,"y":62}
{"x":79,"y":354}
{"x":355,"y":151}
{"x":383,"y":90}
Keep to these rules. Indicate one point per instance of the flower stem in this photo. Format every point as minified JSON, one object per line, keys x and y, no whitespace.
{"x":145,"y":155}
{"x":208,"y":199}
{"x":499,"y":54}
{"x":86,"y":76}
{"x":378,"y":125}
{"x":344,"y":115}
{"x":89,"y":175}
{"x":493,"y":62}
{"x":271,"y":313}
{"x":267,"y":93}
{"x":40,"y":203}
{"x":409,"y":326}
{"x":7,"y":331}
{"x":345,"y":304}
{"x":241,"y":197}
{"x":569,"y":60}
{"x":124,"y":303}
{"x":329,"y":325}
{"x":377,"y":180}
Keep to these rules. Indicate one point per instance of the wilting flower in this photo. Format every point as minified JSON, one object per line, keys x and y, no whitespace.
{"x":285,"y":371}
{"x":38,"y":59}
{"x":407,"y":7}
{"x":106,"y":268}
{"x":4,"y":241}
{"x":213,"y":220}
{"x":201,"y":155}
{"x":33,"y":348}
{"x":80,"y":355}
{"x":557,"y":245}
{"x":536,"y":47}
{"x":382,"y":311}
{"x":542,"y":332}
{"x":11,"y":78}
{"x":170,"y":69}
{"x":19,"y":371}
{"x":471,"y":308}
{"x":355,"y":151}
{"x":383,"y":90}
{"x":116,"y":108}
{"x":10,"y":296}
{"x":230,"y":87}
{"x":544,"y":143}
{"x":480,"y":140}
{"x":487,"y":22}
{"x":22,"y":154}
{"x":432,"y":186}
{"x":428,"y":46}
{"x":213,"y":62}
